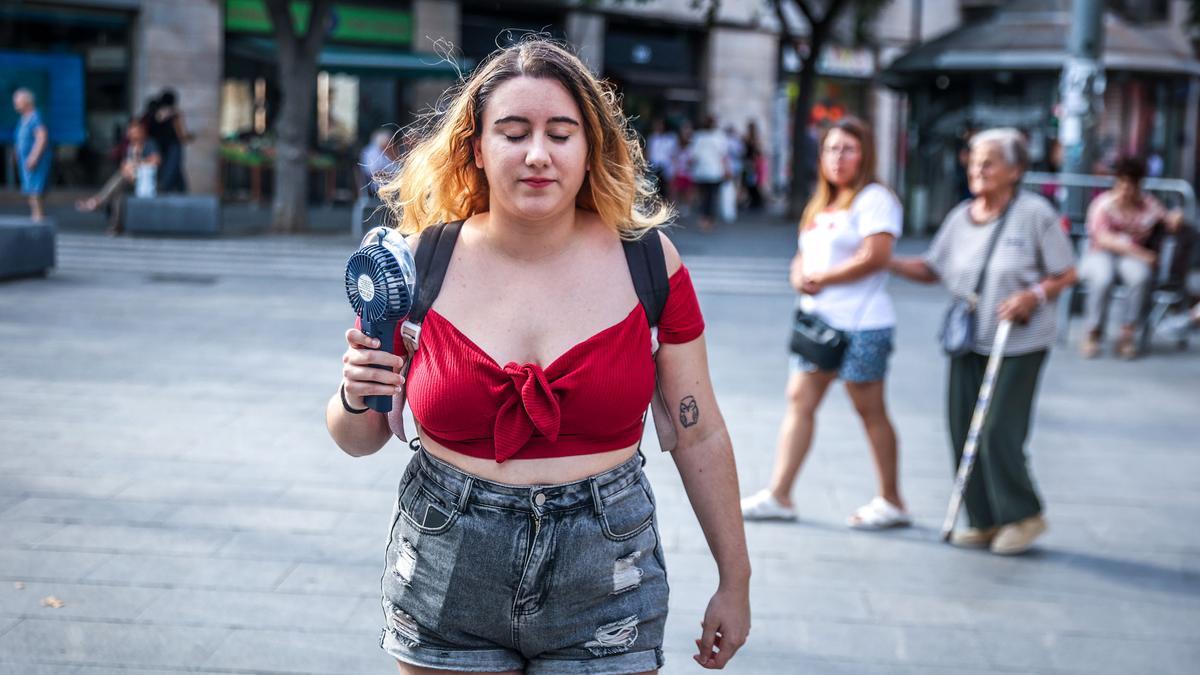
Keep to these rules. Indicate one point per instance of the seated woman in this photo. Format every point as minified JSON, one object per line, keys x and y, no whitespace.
{"x":1119,"y":223}
{"x":139,"y":151}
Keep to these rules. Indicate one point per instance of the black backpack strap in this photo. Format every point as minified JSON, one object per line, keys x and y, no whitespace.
{"x":648,"y":268}
{"x":433,"y":258}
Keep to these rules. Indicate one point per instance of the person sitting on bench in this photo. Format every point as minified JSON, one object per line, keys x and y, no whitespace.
{"x":1119,"y":224}
{"x":139,"y":151}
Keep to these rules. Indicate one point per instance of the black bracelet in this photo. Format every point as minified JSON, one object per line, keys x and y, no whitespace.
{"x":346,"y":404}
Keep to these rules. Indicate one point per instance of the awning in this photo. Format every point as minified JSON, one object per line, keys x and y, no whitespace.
{"x":1027,"y":35}
{"x":360,"y":60}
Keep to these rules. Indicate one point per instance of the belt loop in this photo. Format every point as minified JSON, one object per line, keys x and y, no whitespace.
{"x":597,"y":505}
{"x":466,"y":494}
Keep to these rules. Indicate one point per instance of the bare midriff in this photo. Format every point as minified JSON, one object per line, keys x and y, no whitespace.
{"x":547,"y":471}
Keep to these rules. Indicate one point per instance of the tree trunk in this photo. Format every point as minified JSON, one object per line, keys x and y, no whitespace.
{"x":804,"y":155}
{"x":297,"y":58}
{"x":289,"y":210}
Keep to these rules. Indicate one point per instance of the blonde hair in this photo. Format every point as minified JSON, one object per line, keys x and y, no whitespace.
{"x":439,"y":182}
{"x":827,"y":193}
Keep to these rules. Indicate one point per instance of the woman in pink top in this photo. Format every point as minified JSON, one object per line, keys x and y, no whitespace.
{"x":1119,"y":222}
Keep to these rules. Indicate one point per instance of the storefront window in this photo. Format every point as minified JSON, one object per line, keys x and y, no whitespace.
{"x":77,"y":62}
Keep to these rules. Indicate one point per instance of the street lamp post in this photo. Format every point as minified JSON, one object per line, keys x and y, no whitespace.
{"x":1081,"y":87}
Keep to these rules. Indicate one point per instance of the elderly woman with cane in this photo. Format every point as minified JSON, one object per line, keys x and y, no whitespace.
{"x":1005,"y":251}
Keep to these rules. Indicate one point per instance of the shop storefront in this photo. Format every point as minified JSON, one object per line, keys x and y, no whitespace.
{"x":366,"y":74}
{"x":843,"y":87}
{"x":658,"y":72}
{"x":76,"y":60}
{"x":1004,"y":71}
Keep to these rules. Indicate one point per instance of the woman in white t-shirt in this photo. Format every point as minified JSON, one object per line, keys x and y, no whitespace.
{"x":846,"y":238}
{"x":710,"y":167}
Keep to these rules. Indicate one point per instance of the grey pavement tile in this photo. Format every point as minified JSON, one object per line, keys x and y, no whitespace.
{"x":6,"y":624}
{"x":92,"y":642}
{"x":349,"y":500}
{"x":377,"y":523}
{"x":71,"y":486}
{"x":9,"y":500}
{"x":342,"y":547}
{"x":79,"y":601}
{"x":121,"y":670}
{"x":367,"y":617}
{"x":119,"y":538}
{"x":40,"y":565}
{"x":1087,"y":654}
{"x":19,"y":668}
{"x":73,"y":510}
{"x":140,"y":469}
{"x":195,"y":491}
{"x":772,"y":603}
{"x":28,"y":534}
{"x":342,"y":579}
{"x":304,"y":612}
{"x":244,"y":517}
{"x":190,"y":571}
{"x":856,"y":641}
{"x":300,"y":652}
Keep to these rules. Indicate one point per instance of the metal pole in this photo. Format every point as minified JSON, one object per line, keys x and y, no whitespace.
{"x":1082,"y":82}
{"x":1190,"y":122}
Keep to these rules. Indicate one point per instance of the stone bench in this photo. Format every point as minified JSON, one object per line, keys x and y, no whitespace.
{"x":26,"y":247}
{"x":173,"y":214}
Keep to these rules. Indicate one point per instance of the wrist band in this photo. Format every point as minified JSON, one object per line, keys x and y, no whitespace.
{"x":346,"y":404}
{"x":1040,"y":293}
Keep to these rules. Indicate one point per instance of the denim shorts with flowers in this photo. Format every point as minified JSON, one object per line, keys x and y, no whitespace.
{"x":866,"y":358}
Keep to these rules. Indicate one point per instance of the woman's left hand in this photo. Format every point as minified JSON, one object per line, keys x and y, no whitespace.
{"x":725,"y":628}
{"x":1018,"y":307}
{"x":812,"y":285}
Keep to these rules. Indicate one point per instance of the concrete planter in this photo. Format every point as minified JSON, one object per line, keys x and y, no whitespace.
{"x":173,"y":214}
{"x":26,"y":247}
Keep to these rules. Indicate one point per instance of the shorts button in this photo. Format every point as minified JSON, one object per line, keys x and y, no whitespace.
{"x":539,"y":499}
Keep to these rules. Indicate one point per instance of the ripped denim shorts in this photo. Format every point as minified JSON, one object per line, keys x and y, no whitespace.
{"x":483,"y":576}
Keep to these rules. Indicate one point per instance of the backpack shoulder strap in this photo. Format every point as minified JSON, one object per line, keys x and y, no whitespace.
{"x":432,"y":258}
{"x":648,"y":268}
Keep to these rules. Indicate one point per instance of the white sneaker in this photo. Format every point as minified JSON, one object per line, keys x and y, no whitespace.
{"x":763,"y":505}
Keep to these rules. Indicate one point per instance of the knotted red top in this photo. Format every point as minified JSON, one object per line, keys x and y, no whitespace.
{"x":590,"y":399}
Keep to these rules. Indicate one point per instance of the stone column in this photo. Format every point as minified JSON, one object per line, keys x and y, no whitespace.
{"x":436,"y":24}
{"x":741,"y":78}
{"x":586,"y":32}
{"x":180,"y":44}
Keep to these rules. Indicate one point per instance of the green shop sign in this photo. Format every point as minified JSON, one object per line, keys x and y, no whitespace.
{"x":352,"y":23}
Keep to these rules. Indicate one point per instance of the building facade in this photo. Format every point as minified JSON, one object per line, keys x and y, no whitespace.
{"x":385,"y":62}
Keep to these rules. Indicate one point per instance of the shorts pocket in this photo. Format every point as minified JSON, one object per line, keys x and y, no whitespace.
{"x":428,"y":507}
{"x":627,"y":513}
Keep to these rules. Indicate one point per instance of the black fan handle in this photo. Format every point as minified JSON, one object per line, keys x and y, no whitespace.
{"x":385,"y":332}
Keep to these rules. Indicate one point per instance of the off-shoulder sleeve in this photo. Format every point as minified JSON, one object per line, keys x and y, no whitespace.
{"x":681,"y":320}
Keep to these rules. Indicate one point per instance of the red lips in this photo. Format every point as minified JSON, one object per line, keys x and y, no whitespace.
{"x":537,"y":181}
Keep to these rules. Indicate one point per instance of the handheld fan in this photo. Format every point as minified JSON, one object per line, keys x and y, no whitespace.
{"x":381,"y":285}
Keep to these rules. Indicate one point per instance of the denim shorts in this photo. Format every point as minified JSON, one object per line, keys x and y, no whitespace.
{"x":866,"y":358}
{"x":482,"y":576}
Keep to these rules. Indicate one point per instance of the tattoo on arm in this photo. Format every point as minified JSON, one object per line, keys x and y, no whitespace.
{"x":689,"y":411}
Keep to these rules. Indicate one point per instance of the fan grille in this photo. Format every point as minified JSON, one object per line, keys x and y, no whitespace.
{"x":375,"y":285}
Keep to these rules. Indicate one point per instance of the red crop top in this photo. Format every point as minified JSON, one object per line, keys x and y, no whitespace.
{"x":591,"y":399}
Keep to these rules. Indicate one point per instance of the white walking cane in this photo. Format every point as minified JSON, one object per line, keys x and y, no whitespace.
{"x":971,"y":447}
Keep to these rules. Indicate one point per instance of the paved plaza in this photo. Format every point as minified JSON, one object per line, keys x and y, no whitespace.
{"x":170,"y":501}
